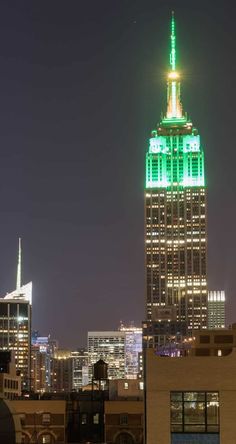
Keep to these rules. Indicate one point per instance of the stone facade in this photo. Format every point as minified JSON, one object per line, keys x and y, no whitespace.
{"x":191,"y":374}
{"x":124,"y":422}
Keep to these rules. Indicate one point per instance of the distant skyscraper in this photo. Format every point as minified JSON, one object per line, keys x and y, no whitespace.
{"x":62,"y":371}
{"x":175,"y":201}
{"x":15,"y":324}
{"x":42,"y":352}
{"x":79,"y":368}
{"x":110,"y":347}
{"x":133,"y":347}
{"x":216,"y":309}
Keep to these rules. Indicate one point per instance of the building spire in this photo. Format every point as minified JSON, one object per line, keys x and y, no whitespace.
{"x":173,"y":49}
{"x":174,"y":106}
{"x":18,"y":277}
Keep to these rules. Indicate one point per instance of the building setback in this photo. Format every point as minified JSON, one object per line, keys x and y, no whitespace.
{"x":175,"y":216}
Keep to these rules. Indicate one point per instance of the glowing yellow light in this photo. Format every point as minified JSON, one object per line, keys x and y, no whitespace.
{"x":173,"y":75}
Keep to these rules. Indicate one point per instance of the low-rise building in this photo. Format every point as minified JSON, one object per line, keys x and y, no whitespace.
{"x":122,"y":389}
{"x":124,"y":422}
{"x":41,"y":421}
{"x":190,"y":399}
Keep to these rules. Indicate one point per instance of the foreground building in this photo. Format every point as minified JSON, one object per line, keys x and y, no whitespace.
{"x":41,"y":421}
{"x":124,"y":422}
{"x":190,"y":399}
{"x":175,"y":203}
{"x":220,"y":342}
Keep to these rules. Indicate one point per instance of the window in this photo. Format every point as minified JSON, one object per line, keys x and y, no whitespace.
{"x":84,"y":418}
{"x":223,"y":339}
{"x":194,"y":412}
{"x":126,"y":385}
{"x":141,"y":385}
{"x":13,"y":310}
{"x":204,"y":339}
{"x":46,"y":439}
{"x":3,"y":309}
{"x":46,"y":418}
{"x":123,"y":419}
{"x":96,"y":418}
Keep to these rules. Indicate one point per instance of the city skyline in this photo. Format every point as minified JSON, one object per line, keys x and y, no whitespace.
{"x":82,"y":88}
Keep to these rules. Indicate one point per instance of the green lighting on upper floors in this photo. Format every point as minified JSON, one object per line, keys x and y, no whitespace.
{"x":175,"y":161}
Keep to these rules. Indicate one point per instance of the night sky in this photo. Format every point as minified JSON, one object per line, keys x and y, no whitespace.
{"x":82,"y":84}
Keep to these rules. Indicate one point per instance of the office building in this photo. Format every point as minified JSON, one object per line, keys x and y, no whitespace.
{"x":15,"y":325}
{"x":79,"y":368}
{"x":61,"y":375}
{"x":133,"y":346}
{"x":216,"y":309}
{"x":42,"y":352}
{"x":175,"y":220}
{"x":110,"y":347}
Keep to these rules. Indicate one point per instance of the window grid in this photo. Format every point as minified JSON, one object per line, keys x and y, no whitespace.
{"x":207,"y":403}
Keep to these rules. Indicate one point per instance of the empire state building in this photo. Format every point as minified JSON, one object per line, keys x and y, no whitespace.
{"x":175,"y":215}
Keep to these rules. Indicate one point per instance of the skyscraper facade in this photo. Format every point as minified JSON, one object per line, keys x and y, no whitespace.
{"x":110,"y":347}
{"x":79,"y":368}
{"x":216,"y":309}
{"x":15,"y":325}
{"x":133,"y":349}
{"x":175,"y":215}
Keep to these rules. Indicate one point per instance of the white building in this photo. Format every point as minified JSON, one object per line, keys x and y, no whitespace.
{"x":133,"y":347}
{"x":216,"y":309}
{"x":110,"y":347}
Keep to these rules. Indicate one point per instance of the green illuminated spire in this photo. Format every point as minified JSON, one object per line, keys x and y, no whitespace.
{"x":174,"y":107}
{"x":172,"y":39}
{"x":175,"y":158}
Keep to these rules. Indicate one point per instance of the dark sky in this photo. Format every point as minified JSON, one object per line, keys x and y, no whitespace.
{"x":82,"y":83}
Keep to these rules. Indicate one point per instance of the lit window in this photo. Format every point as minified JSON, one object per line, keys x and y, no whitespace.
{"x":47,"y":439}
{"x":194,"y":412}
{"x":126,"y":385}
{"x":96,"y":418}
{"x":46,"y":418}
{"x":84,"y":418}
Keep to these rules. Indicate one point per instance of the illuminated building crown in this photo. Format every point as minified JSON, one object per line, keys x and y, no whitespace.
{"x":175,"y":157}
